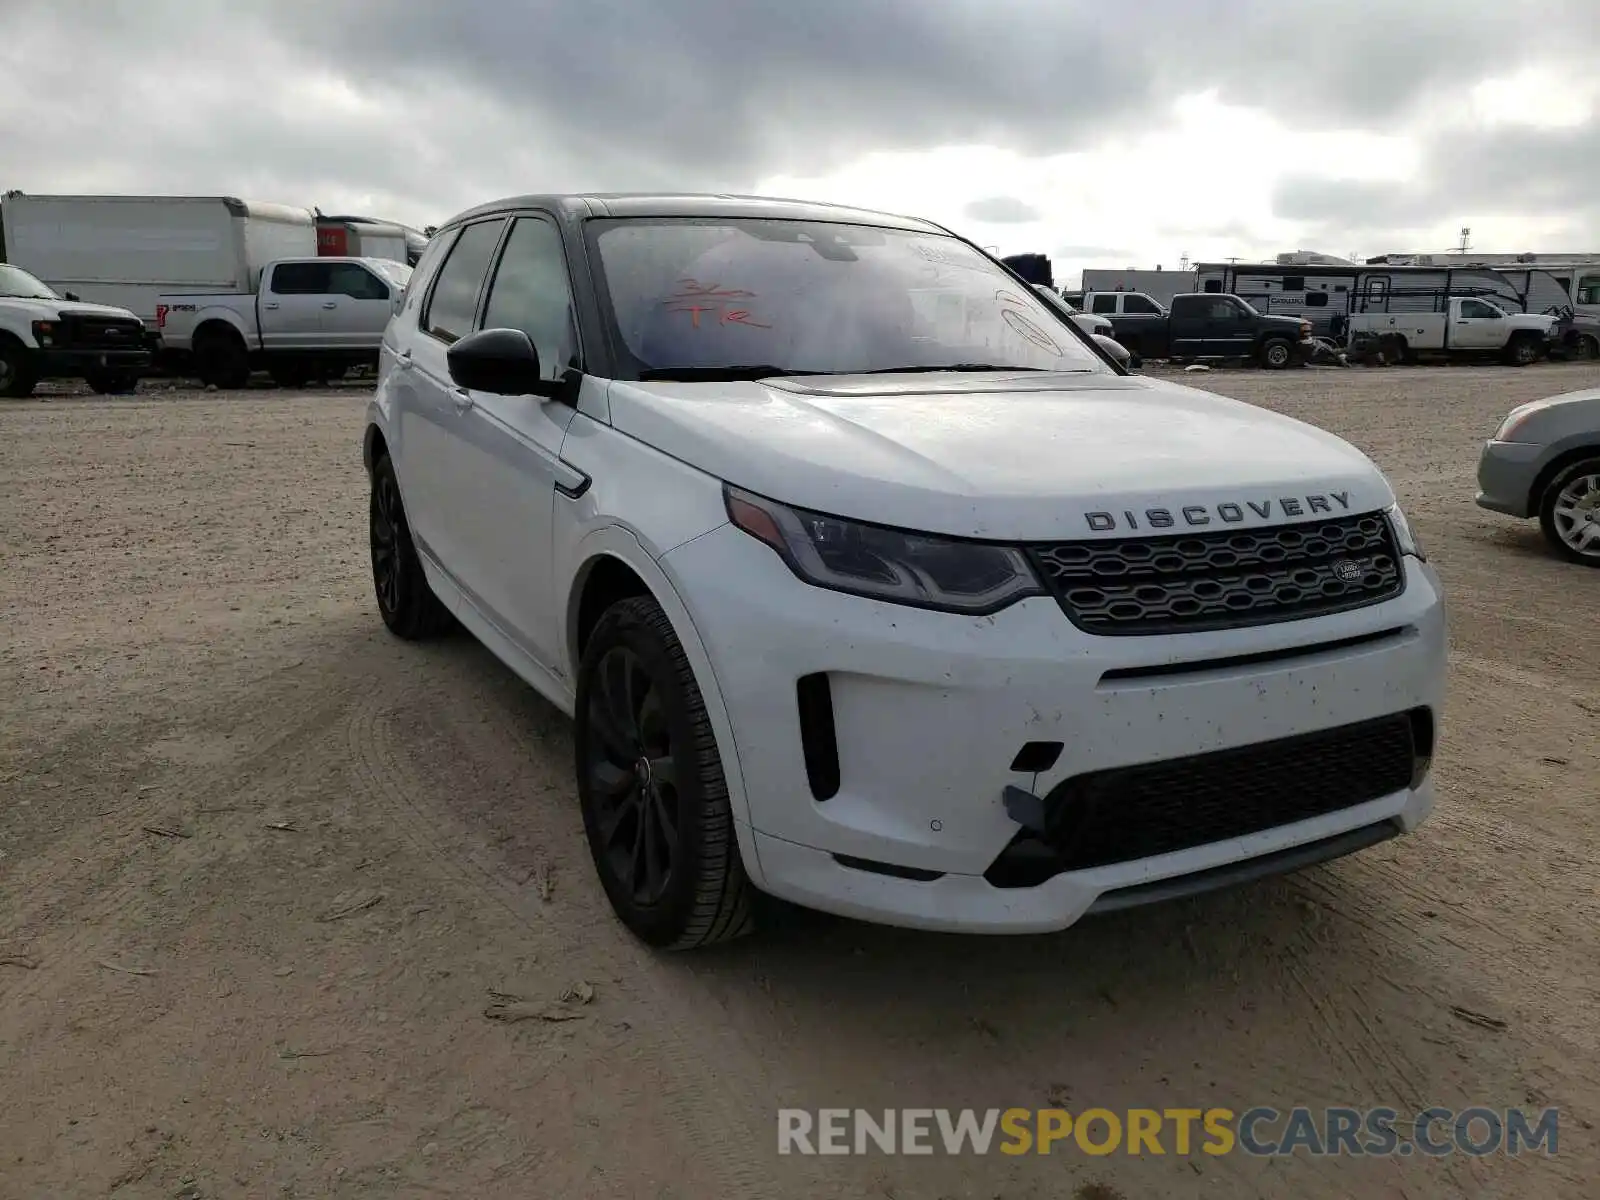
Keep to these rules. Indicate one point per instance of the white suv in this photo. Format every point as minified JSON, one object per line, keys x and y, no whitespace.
{"x":872,"y":585}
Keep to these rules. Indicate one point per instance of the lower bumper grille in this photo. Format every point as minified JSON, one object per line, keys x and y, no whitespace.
{"x":1138,"y":812}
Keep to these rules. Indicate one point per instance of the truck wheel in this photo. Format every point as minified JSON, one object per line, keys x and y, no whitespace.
{"x":1394,"y":349}
{"x":1276,"y":353}
{"x":112,"y":383}
{"x":1587,"y":346}
{"x":1523,"y":351}
{"x":651,"y":786}
{"x":16,"y":369}
{"x":1569,"y":512}
{"x":221,"y":359}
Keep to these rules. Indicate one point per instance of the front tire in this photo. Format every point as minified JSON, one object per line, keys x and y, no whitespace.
{"x":1524,"y":351}
{"x":650,"y":782}
{"x":17,"y":376}
{"x":1569,"y":512}
{"x":405,"y":601}
{"x":1276,"y":354}
{"x":112,"y":383}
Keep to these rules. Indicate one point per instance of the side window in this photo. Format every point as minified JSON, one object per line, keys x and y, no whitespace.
{"x":1294,"y":283}
{"x":1105,"y":303}
{"x":1476,"y":308}
{"x":530,"y":292}
{"x":1213,"y":285}
{"x":300,"y":279}
{"x":1316,"y":299}
{"x":454,"y":301}
{"x":355,"y":281}
{"x":1589,"y":290}
{"x":1139,"y":304}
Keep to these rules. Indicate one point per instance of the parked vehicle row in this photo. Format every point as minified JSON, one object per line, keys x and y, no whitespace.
{"x":162,"y":259}
{"x":872,"y":585}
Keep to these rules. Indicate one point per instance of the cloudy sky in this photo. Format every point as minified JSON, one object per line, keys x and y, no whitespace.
{"x":1103,"y":133}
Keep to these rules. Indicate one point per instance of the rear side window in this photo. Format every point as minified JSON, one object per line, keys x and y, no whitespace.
{"x":1105,"y":304}
{"x":454,"y":301}
{"x":355,"y":281}
{"x":300,"y":279}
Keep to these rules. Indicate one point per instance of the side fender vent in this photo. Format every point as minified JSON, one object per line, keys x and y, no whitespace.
{"x":817,"y":741}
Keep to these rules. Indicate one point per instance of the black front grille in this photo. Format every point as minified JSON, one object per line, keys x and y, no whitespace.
{"x":1226,"y":579}
{"x":1135,"y":812}
{"x":102,"y":333}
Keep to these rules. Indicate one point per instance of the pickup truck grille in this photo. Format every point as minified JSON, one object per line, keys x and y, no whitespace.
{"x":100,"y":333}
{"x":1225,"y":579}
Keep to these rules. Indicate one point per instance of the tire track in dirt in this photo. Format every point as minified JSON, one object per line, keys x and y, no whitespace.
{"x":40,"y":895}
{"x":711,"y":1081}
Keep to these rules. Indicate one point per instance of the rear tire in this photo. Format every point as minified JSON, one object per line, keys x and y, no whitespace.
{"x":405,"y":601}
{"x":17,"y":378}
{"x":651,"y":786}
{"x":221,"y":360}
{"x":1569,"y":512}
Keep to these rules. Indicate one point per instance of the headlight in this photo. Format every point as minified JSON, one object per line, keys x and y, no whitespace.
{"x":1403,"y":535}
{"x":44,"y":333}
{"x":886,"y":564}
{"x":1516,"y":418}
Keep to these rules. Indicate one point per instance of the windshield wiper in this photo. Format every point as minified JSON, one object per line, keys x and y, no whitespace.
{"x":716,"y":374}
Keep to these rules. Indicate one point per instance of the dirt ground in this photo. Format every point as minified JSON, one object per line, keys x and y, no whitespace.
{"x":262,"y":868}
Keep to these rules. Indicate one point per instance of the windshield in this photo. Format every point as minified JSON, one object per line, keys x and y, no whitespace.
{"x":19,"y":285}
{"x":698,"y":296}
{"x":397,"y":272}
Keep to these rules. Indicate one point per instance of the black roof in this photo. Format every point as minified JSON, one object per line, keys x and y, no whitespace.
{"x":689,"y":204}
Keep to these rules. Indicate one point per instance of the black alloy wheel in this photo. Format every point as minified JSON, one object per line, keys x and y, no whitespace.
{"x":651,"y":786}
{"x":405,"y":601}
{"x":633,"y":775}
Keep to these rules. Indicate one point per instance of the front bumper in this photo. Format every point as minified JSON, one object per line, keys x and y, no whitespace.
{"x":930,"y":710}
{"x":1506,"y":474}
{"x":58,"y":363}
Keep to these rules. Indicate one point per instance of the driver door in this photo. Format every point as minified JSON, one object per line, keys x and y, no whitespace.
{"x":510,"y":448}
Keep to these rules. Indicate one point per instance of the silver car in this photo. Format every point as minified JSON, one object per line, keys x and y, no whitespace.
{"x":1101,"y":330}
{"x":1544,"y":461}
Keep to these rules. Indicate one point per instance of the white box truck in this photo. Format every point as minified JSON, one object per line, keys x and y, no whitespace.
{"x":126,"y":251}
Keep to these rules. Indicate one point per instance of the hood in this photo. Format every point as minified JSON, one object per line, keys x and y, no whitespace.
{"x":1283,"y":319}
{"x":49,"y":310}
{"x":1008,"y":457}
{"x":1532,"y":321}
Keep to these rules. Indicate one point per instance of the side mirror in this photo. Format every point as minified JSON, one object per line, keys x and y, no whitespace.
{"x":500,"y":361}
{"x":73,"y":296}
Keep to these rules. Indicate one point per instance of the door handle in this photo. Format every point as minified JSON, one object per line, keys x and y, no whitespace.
{"x":270,"y":304}
{"x":330,"y":304}
{"x":462,"y":399}
{"x":403,"y":360}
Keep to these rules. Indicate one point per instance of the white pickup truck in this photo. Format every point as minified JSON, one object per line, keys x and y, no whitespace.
{"x":308,"y":318}
{"x":1468,"y":326}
